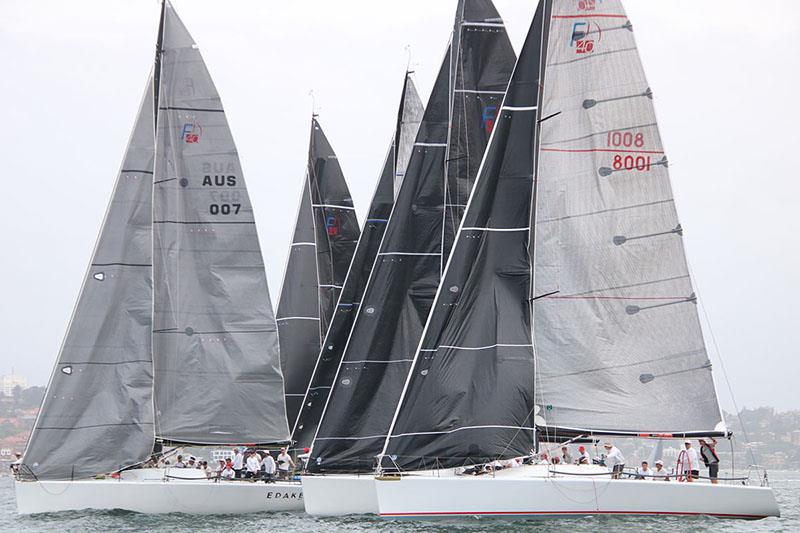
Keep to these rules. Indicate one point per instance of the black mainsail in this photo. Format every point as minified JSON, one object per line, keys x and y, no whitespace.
{"x":173,"y":336}
{"x":469,"y":394}
{"x":408,"y":120}
{"x":324,"y":240}
{"x":403,"y":281}
{"x":81,"y":431}
{"x":566,"y":307}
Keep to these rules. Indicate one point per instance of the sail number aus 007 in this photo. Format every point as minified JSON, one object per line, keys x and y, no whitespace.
{"x":224,"y":202}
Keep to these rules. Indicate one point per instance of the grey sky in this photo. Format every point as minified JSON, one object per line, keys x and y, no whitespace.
{"x":724,"y":74}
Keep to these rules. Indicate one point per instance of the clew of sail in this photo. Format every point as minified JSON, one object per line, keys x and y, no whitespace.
{"x":97,"y":414}
{"x":469,"y":395}
{"x":215,"y":341}
{"x":313,"y":402}
{"x":322,"y":248}
{"x":619,"y":347}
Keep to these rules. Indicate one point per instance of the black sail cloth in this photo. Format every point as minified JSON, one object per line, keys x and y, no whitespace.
{"x":322,"y":248}
{"x":469,"y":395}
{"x":403,"y":282}
{"x":408,"y":120}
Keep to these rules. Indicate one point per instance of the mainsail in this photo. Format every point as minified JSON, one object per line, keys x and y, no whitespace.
{"x":329,"y":357}
{"x":215,"y":340}
{"x":619,"y":347}
{"x":574,"y":200}
{"x":403,"y":281}
{"x":97,"y":414}
{"x":469,"y":394}
{"x":323,"y":244}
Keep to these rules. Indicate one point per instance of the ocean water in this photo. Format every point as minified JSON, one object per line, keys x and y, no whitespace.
{"x":786,"y":485}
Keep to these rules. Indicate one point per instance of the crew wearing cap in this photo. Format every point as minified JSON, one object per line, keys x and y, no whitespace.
{"x":691,"y":461}
{"x":583,"y":456}
{"x":660,"y":474}
{"x":615,"y":461}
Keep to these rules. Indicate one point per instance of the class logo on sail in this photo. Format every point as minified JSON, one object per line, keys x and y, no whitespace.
{"x":489,"y":117}
{"x":191,"y":133}
{"x":332,"y":225}
{"x":585,"y":36}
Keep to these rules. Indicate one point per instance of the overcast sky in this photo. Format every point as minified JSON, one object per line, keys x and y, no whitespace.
{"x":724,"y":74}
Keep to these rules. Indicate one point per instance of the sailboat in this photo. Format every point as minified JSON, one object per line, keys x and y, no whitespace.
{"x":399,"y":292}
{"x":173,"y":341}
{"x":313,"y":401}
{"x":324,"y":240}
{"x":566,"y":310}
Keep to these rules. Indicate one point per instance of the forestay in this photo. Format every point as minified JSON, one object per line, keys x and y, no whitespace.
{"x":619,"y":347}
{"x":470,"y":393}
{"x":215,"y":343}
{"x":322,"y":248}
{"x":313,"y":402}
{"x":97,"y":414}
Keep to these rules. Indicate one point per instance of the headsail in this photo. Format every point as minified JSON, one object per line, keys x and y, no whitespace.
{"x":469,"y":395}
{"x":97,"y":414}
{"x":215,"y":343}
{"x":322,"y":248}
{"x":409,"y":116}
{"x":619,"y":348}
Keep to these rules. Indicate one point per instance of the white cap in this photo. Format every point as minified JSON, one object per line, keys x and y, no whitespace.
{"x":660,"y":462}
{"x":687,"y":441}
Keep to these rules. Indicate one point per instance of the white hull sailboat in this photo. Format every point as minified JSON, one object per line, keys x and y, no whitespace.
{"x":173,"y":342}
{"x":530,"y":491}
{"x":159,"y":491}
{"x":565,"y":313}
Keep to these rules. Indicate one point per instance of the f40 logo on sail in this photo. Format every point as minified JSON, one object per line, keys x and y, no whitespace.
{"x":489,"y":117}
{"x":332,"y":225}
{"x":191,"y":133}
{"x":580,"y":38}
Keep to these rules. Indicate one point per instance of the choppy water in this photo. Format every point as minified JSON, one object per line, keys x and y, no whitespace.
{"x":786,"y":485}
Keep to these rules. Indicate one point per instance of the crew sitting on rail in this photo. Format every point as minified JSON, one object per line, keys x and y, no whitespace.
{"x":660,"y":474}
{"x":644,"y":472}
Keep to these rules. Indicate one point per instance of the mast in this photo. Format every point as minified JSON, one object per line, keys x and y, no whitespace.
{"x":157,"y":67}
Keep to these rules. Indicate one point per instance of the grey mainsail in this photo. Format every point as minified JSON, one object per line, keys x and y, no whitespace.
{"x":403,"y":282}
{"x":470,"y":392}
{"x":215,"y":342}
{"x":322,"y":248}
{"x":97,"y":414}
{"x":408,"y":120}
{"x":619,"y":348}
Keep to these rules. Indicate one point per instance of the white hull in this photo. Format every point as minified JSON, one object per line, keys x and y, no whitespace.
{"x":153,"y":494}
{"x":528,"y":492}
{"x":337,"y":495}
{"x":524,"y":493}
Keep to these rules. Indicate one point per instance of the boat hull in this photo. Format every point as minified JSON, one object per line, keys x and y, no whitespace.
{"x":338,"y":495}
{"x":515,"y":495}
{"x":158,"y":496}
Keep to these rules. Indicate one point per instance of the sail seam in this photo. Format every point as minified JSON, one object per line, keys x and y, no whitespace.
{"x":496,"y":229}
{"x":332,"y":206}
{"x":436,"y":254}
{"x":499,"y":345}
{"x":170,"y":108}
{"x":463,"y":428}
{"x":520,"y":108}
{"x":376,"y":361}
{"x":297,"y":318}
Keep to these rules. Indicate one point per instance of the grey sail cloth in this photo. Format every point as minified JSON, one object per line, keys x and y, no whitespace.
{"x":481,"y":66}
{"x":97,"y":414}
{"x":394,"y":307}
{"x":470,"y":393}
{"x":409,"y":117}
{"x":215,"y":340}
{"x":322,"y":248}
{"x":619,"y":347}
